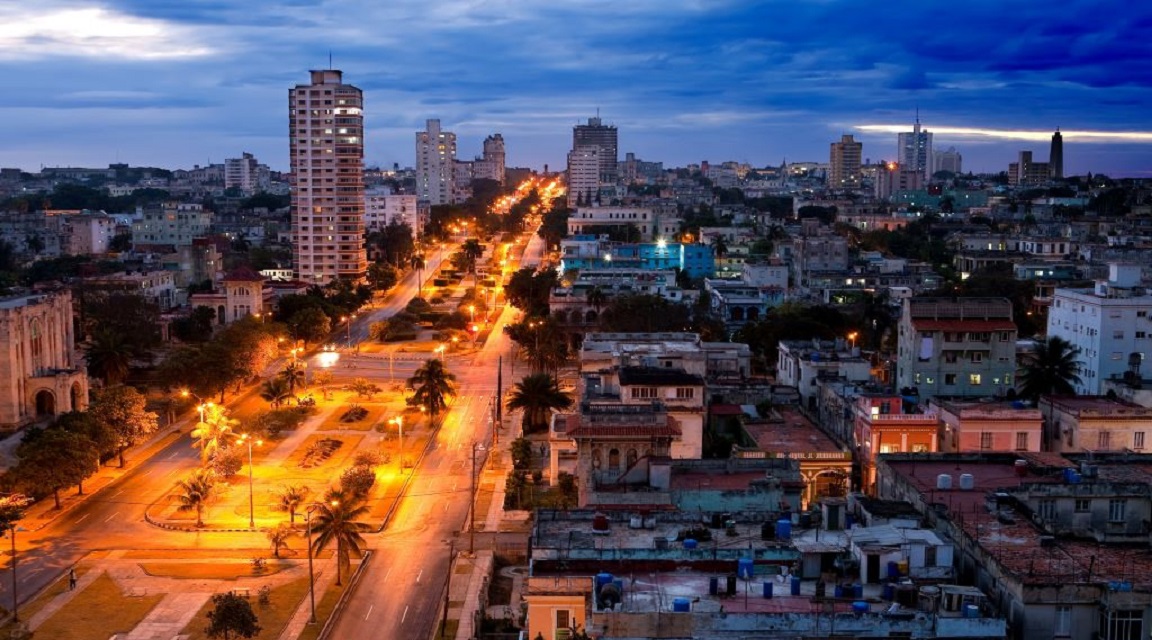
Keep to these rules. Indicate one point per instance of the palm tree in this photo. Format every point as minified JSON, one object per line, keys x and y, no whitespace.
{"x":294,"y":374}
{"x":719,"y":246}
{"x":596,"y":298}
{"x":538,"y":395}
{"x":278,"y":538}
{"x":1050,"y":369}
{"x":195,"y":493}
{"x":417,"y":262}
{"x":432,"y":384}
{"x":290,"y":499}
{"x":274,"y":391}
{"x":211,"y":433}
{"x":335,"y":519}
{"x":472,"y":250}
{"x":109,"y":355}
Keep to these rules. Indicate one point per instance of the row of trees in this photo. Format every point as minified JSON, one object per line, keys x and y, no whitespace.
{"x":236,"y":353}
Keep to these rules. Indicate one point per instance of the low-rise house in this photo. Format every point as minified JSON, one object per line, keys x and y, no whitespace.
{"x":1094,"y":423}
{"x":967,"y":425}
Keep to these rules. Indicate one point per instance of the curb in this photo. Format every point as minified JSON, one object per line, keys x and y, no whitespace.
{"x":353,"y":581}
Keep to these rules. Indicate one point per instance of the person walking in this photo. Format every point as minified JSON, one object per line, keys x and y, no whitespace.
{"x":72,"y":579}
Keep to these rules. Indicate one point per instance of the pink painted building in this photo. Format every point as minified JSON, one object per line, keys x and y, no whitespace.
{"x":987,"y":426}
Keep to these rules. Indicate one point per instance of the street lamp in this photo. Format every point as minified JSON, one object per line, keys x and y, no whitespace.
{"x":15,"y":615}
{"x":852,"y":340}
{"x":472,"y":518}
{"x":247,"y":439}
{"x":203,"y":405}
{"x":399,"y":422}
{"x":472,"y":310}
{"x":311,"y":579}
{"x":348,"y":329}
{"x":439,"y":351}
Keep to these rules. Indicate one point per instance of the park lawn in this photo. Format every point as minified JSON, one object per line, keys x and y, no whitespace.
{"x":30,"y":609}
{"x":335,"y":460}
{"x":375,"y":414}
{"x":272,"y":617}
{"x":209,"y":570}
{"x":99,"y":611}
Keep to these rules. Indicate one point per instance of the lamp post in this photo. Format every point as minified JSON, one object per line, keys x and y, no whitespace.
{"x":246,"y":439}
{"x":348,"y":329}
{"x":472,"y":509}
{"x":852,"y":340}
{"x":472,"y":311}
{"x":399,"y":422}
{"x":15,"y":613}
{"x":311,"y":579}
{"x":203,"y":405}
{"x":439,"y":351}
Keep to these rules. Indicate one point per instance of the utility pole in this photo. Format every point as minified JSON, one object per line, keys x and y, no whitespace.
{"x":499,"y":387}
{"x":447,"y":587}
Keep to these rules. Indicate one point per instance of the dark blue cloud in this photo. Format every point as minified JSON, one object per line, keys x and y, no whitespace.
{"x":685,"y":81}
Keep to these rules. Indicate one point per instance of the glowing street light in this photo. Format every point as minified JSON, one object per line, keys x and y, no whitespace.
{"x":472,"y":311}
{"x":852,"y":340}
{"x":439,"y":351}
{"x":184,"y":393}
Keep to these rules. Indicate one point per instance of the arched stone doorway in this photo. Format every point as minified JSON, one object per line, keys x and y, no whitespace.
{"x":45,"y":404}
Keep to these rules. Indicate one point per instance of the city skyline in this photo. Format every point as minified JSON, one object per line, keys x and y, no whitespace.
{"x":177,"y":85}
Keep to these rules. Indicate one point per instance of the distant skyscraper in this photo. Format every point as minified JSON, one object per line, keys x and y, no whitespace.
{"x":844,"y":159}
{"x":326,"y":123}
{"x":583,"y":176}
{"x":914,"y":149}
{"x":1056,"y":156}
{"x":246,"y":174}
{"x":949,"y":160}
{"x":491,"y":165}
{"x":602,"y":137}
{"x":435,"y":163}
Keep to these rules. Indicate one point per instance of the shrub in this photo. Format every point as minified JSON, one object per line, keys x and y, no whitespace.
{"x":355,"y":413}
{"x":226,"y":463}
{"x":358,"y":480}
{"x":370,"y":459}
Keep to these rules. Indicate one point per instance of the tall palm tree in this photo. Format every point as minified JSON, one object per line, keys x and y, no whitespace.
{"x":472,"y":250}
{"x":274,"y":391}
{"x":195,"y":493}
{"x":335,"y":520}
{"x":1050,"y":369}
{"x":432,"y":384}
{"x":538,"y":395}
{"x":290,"y":499}
{"x":210,"y":435}
{"x":294,"y":375}
{"x":719,"y":246}
{"x":109,"y":355}
{"x":417,"y":262}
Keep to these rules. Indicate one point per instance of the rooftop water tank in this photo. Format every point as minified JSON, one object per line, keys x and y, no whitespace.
{"x":944,"y":482}
{"x":967,"y":482}
{"x":681,"y":605}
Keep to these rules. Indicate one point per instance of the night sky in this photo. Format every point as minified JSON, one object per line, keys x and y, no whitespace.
{"x":176,"y":83}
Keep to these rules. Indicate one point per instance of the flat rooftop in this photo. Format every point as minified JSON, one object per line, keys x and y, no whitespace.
{"x":794,"y":435}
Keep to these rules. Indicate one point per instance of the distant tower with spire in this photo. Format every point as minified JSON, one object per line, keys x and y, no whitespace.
{"x":1056,"y":156}
{"x":914,"y":150}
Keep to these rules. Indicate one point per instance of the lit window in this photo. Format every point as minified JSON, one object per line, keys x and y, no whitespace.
{"x":974,"y":379}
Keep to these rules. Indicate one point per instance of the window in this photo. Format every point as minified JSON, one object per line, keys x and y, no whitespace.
{"x":889,"y":448}
{"x":1047,"y":509}
{"x":687,"y":393}
{"x":950,"y":357}
{"x":1118,"y":335}
{"x":929,"y":556}
{"x":1117,"y":509}
{"x":1005,"y":336}
{"x":643,"y":393}
{"x":1062,"y":623}
{"x":919,"y":448}
{"x":563,"y":619}
{"x":1021,"y":440}
{"x":1083,"y":505}
{"x":1104,"y":440}
{"x":1138,"y":440}
{"x":949,"y":378}
{"x":985,"y":439}
{"x":974,"y":379}
{"x":977,"y":357}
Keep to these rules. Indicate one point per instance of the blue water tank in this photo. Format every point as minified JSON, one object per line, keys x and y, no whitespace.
{"x":767,"y":588}
{"x":603,"y":579}
{"x":888,"y":592}
{"x":971,"y":611}
{"x":859,"y":607}
{"x":745,"y":567}
{"x":681,"y":605}
{"x":690,"y":543}
{"x":795,"y":585}
{"x":857,"y":591}
{"x":893,"y":569}
{"x":838,"y":591}
{"x":783,"y":529}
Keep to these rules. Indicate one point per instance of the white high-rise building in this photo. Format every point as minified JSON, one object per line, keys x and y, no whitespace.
{"x":949,"y":160}
{"x":914,"y":150}
{"x":583,"y":176}
{"x":382,"y":207}
{"x":245,"y":174}
{"x":435,"y":164}
{"x":491,"y":165}
{"x":1110,"y":323}
{"x":326,"y":120}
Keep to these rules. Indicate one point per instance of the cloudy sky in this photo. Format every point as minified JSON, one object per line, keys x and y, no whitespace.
{"x":180,"y":82}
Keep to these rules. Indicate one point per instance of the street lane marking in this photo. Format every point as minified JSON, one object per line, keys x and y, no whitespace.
{"x":117,"y":493}
{"x":405,"y":616}
{"x":111,"y":516}
{"x":369,"y":611}
{"x":173,"y":455}
{"x":81,"y":518}
{"x":418,"y":576}
{"x":445,"y":506}
{"x":387,"y":573}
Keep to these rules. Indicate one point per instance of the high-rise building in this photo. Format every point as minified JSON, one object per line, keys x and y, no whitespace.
{"x":583,"y":176}
{"x":1056,"y":156}
{"x":949,"y":160}
{"x":597,"y":135}
{"x":246,"y":174}
{"x":326,"y":122}
{"x":1026,"y":172}
{"x":844,"y":172}
{"x":914,"y":149}
{"x":490,"y":166}
{"x":435,"y":164}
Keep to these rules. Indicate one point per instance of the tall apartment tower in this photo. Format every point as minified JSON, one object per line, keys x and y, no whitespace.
{"x":949,"y":160}
{"x":844,"y":159}
{"x":326,"y":124}
{"x":435,"y":164}
{"x":914,"y":149}
{"x":1056,"y":156}
{"x":491,"y":164}
{"x":597,"y":135}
